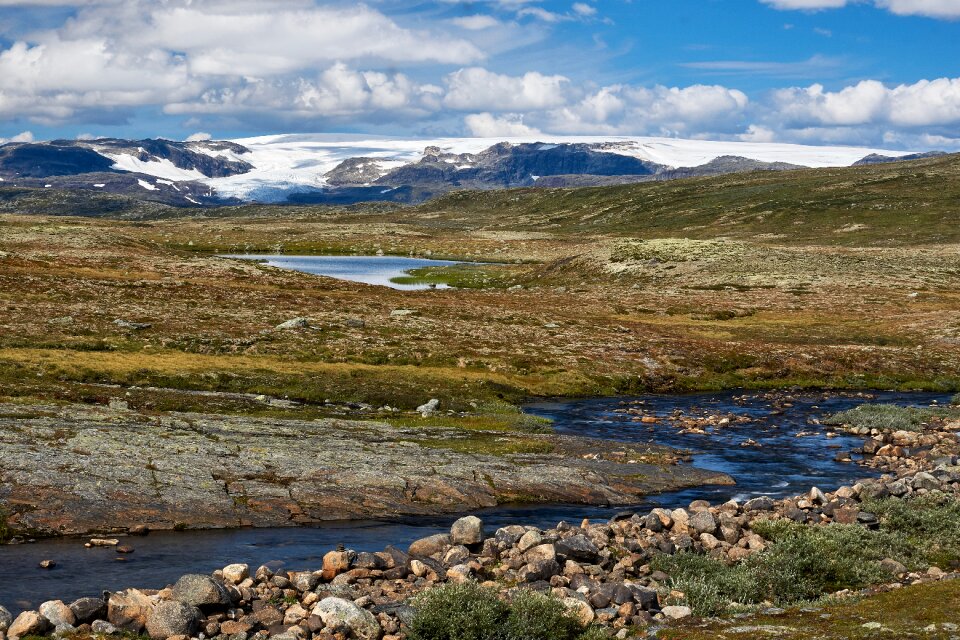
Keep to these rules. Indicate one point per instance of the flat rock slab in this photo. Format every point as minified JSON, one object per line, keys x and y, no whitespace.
{"x":78,"y":469}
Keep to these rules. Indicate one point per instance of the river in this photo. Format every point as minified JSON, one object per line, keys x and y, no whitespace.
{"x":784,"y":464}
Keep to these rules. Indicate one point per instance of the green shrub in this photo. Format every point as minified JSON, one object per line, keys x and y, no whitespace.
{"x":920,"y":530}
{"x":471,"y":612}
{"x":534,"y":616}
{"x":458,"y":612}
{"x":885,"y":417}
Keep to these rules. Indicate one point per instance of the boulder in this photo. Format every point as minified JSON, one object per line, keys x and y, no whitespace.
{"x":128,"y":610}
{"x":294,"y":323}
{"x":580,"y":610}
{"x":86,"y":610}
{"x":702,"y":522}
{"x":335,"y":563}
{"x":57,"y":613}
{"x":459,"y":574}
{"x":104,"y":628}
{"x":578,"y":547}
{"x":763,"y":503}
{"x":200,"y":591}
{"x":529,"y":540}
{"x":539,"y":570}
{"x":337,"y":613}
{"x":677,"y":612}
{"x":430,"y":545}
{"x":924,"y":480}
{"x":173,"y":618}
{"x":6,"y":619}
{"x":429,"y":408}
{"x":236,"y":573}
{"x":28,"y":623}
{"x":541,"y":552}
{"x":467,"y":531}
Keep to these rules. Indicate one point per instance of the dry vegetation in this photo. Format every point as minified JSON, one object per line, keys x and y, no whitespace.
{"x":563,"y":311}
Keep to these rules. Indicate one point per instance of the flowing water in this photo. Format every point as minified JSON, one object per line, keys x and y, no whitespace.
{"x":378,"y":270}
{"x":784,"y":464}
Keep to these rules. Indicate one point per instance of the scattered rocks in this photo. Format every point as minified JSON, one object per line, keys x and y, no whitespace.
{"x":429,"y":408}
{"x":132,"y":326}
{"x":294,"y":323}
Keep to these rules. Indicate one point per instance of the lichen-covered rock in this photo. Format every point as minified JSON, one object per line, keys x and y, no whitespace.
{"x":236,"y":573}
{"x":430,"y":545}
{"x":173,"y":618}
{"x":28,"y":623}
{"x":57,"y":613}
{"x":467,"y":531}
{"x":128,"y":610}
{"x":337,"y":612}
{"x":86,"y":610}
{"x":200,"y":591}
{"x":6,"y":619}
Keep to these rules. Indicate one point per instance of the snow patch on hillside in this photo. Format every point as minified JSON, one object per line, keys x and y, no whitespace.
{"x":285,"y":164}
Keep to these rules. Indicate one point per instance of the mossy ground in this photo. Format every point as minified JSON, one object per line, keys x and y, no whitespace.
{"x":919,"y":611}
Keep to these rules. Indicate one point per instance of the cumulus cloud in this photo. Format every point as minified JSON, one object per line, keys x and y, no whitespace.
{"x":25,"y":136}
{"x":922,"y":104}
{"x":476,"y":88}
{"x":200,"y":136}
{"x":944,"y":9}
{"x":660,"y":110}
{"x":116,"y":56}
{"x":486,"y":125}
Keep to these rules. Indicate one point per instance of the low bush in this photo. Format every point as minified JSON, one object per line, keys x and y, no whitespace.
{"x":805,"y":562}
{"x":885,"y":417}
{"x":471,"y":612}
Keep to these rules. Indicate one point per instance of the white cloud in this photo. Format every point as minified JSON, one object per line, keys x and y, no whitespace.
{"x":486,"y":125}
{"x":25,"y":136}
{"x":949,"y":9}
{"x":584,"y":9}
{"x":477,"y":22}
{"x":338,"y":92}
{"x":810,"y":5}
{"x":199,"y":136}
{"x":945,"y":9}
{"x":657,"y":110}
{"x":476,"y":88}
{"x":113,"y":56}
{"x":923,"y":104}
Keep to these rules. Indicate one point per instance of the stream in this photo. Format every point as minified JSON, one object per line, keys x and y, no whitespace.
{"x":783,"y":464}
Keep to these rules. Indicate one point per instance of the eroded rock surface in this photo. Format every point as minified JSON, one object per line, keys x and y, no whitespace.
{"x":77,"y":469}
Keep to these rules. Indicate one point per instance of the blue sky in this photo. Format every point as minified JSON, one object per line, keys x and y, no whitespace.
{"x":871,"y":72}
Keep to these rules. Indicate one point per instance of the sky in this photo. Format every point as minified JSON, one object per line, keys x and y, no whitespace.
{"x":883,"y":73}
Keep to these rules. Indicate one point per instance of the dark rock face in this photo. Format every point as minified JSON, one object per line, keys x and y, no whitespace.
{"x":875,"y":158}
{"x":507,"y":165}
{"x":47,"y":160}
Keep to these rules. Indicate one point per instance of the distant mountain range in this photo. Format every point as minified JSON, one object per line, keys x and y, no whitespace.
{"x":343,"y":170}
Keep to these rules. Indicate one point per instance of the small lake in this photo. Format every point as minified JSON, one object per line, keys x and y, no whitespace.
{"x":794,"y":453}
{"x":376,"y":270}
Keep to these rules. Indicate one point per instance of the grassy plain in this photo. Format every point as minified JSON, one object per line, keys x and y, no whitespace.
{"x":833,"y":278}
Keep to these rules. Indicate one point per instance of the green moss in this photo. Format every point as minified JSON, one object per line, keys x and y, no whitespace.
{"x":887,"y":417}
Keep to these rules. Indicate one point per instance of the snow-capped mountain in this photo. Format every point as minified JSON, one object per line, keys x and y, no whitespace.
{"x":322,"y":168}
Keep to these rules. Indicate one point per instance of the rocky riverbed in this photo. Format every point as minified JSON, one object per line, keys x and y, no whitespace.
{"x":78,"y":469}
{"x":601,"y":571}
